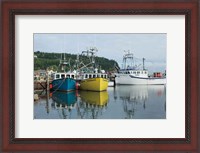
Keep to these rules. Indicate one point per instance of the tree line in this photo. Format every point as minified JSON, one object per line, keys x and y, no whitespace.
{"x":43,"y":60}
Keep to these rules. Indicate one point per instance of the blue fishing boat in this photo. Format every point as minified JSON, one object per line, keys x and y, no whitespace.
{"x":64,"y":82}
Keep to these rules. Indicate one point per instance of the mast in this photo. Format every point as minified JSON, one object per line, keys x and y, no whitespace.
{"x":64,"y":62}
{"x":128,"y":56}
{"x":143,"y":59}
{"x":90,"y":53}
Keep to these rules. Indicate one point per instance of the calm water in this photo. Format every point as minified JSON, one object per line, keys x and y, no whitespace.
{"x":121,"y":102}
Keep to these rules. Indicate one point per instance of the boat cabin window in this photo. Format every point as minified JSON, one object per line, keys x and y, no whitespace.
{"x":57,"y":76}
{"x":90,"y":76}
{"x":68,"y":76}
{"x":101,"y":76}
{"x":94,"y":76}
{"x":145,"y":72}
{"x":73,"y":76}
{"x":105,"y":76}
{"x":86,"y":76}
{"x":62,"y":76}
{"x":138,"y":72}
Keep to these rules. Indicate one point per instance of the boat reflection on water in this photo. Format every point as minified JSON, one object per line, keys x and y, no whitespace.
{"x":94,"y":98}
{"x":133,"y":92}
{"x":134,"y":96}
{"x":92,"y":104}
{"x":64,"y":101}
{"x":121,"y":102}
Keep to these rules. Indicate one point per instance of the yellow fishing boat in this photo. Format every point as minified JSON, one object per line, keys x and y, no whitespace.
{"x":94,"y":84}
{"x":94,"y":98}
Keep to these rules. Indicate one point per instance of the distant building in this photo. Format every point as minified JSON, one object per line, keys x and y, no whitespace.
{"x":51,"y":72}
{"x":40,"y":75}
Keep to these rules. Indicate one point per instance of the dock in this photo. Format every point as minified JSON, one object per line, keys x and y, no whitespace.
{"x":42,"y":84}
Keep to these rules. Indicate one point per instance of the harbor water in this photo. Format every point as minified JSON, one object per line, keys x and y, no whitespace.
{"x":119,"y":102}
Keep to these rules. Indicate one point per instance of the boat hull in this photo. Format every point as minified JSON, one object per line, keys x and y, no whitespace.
{"x":94,"y":84}
{"x":128,"y":79}
{"x":66,"y":84}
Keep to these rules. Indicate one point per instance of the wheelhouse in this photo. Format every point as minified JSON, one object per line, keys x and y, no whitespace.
{"x":137,"y":73}
{"x":94,"y":75}
{"x":63,"y":75}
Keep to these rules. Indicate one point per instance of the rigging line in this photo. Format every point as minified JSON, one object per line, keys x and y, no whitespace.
{"x":59,"y":84}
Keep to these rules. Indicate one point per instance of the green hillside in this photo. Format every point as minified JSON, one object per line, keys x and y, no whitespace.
{"x":44,"y":60}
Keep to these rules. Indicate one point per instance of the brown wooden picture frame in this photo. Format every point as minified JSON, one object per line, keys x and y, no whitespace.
{"x":10,"y":8}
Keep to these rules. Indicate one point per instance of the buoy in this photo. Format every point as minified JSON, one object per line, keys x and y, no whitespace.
{"x":50,"y":86}
{"x":77,"y":85}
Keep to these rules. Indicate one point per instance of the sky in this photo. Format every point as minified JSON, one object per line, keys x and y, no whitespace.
{"x":152,"y":47}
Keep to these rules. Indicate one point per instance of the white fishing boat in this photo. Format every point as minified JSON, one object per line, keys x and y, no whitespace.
{"x":131,"y":74}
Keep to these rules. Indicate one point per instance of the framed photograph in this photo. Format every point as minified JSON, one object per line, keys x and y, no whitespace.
{"x":100,"y":76}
